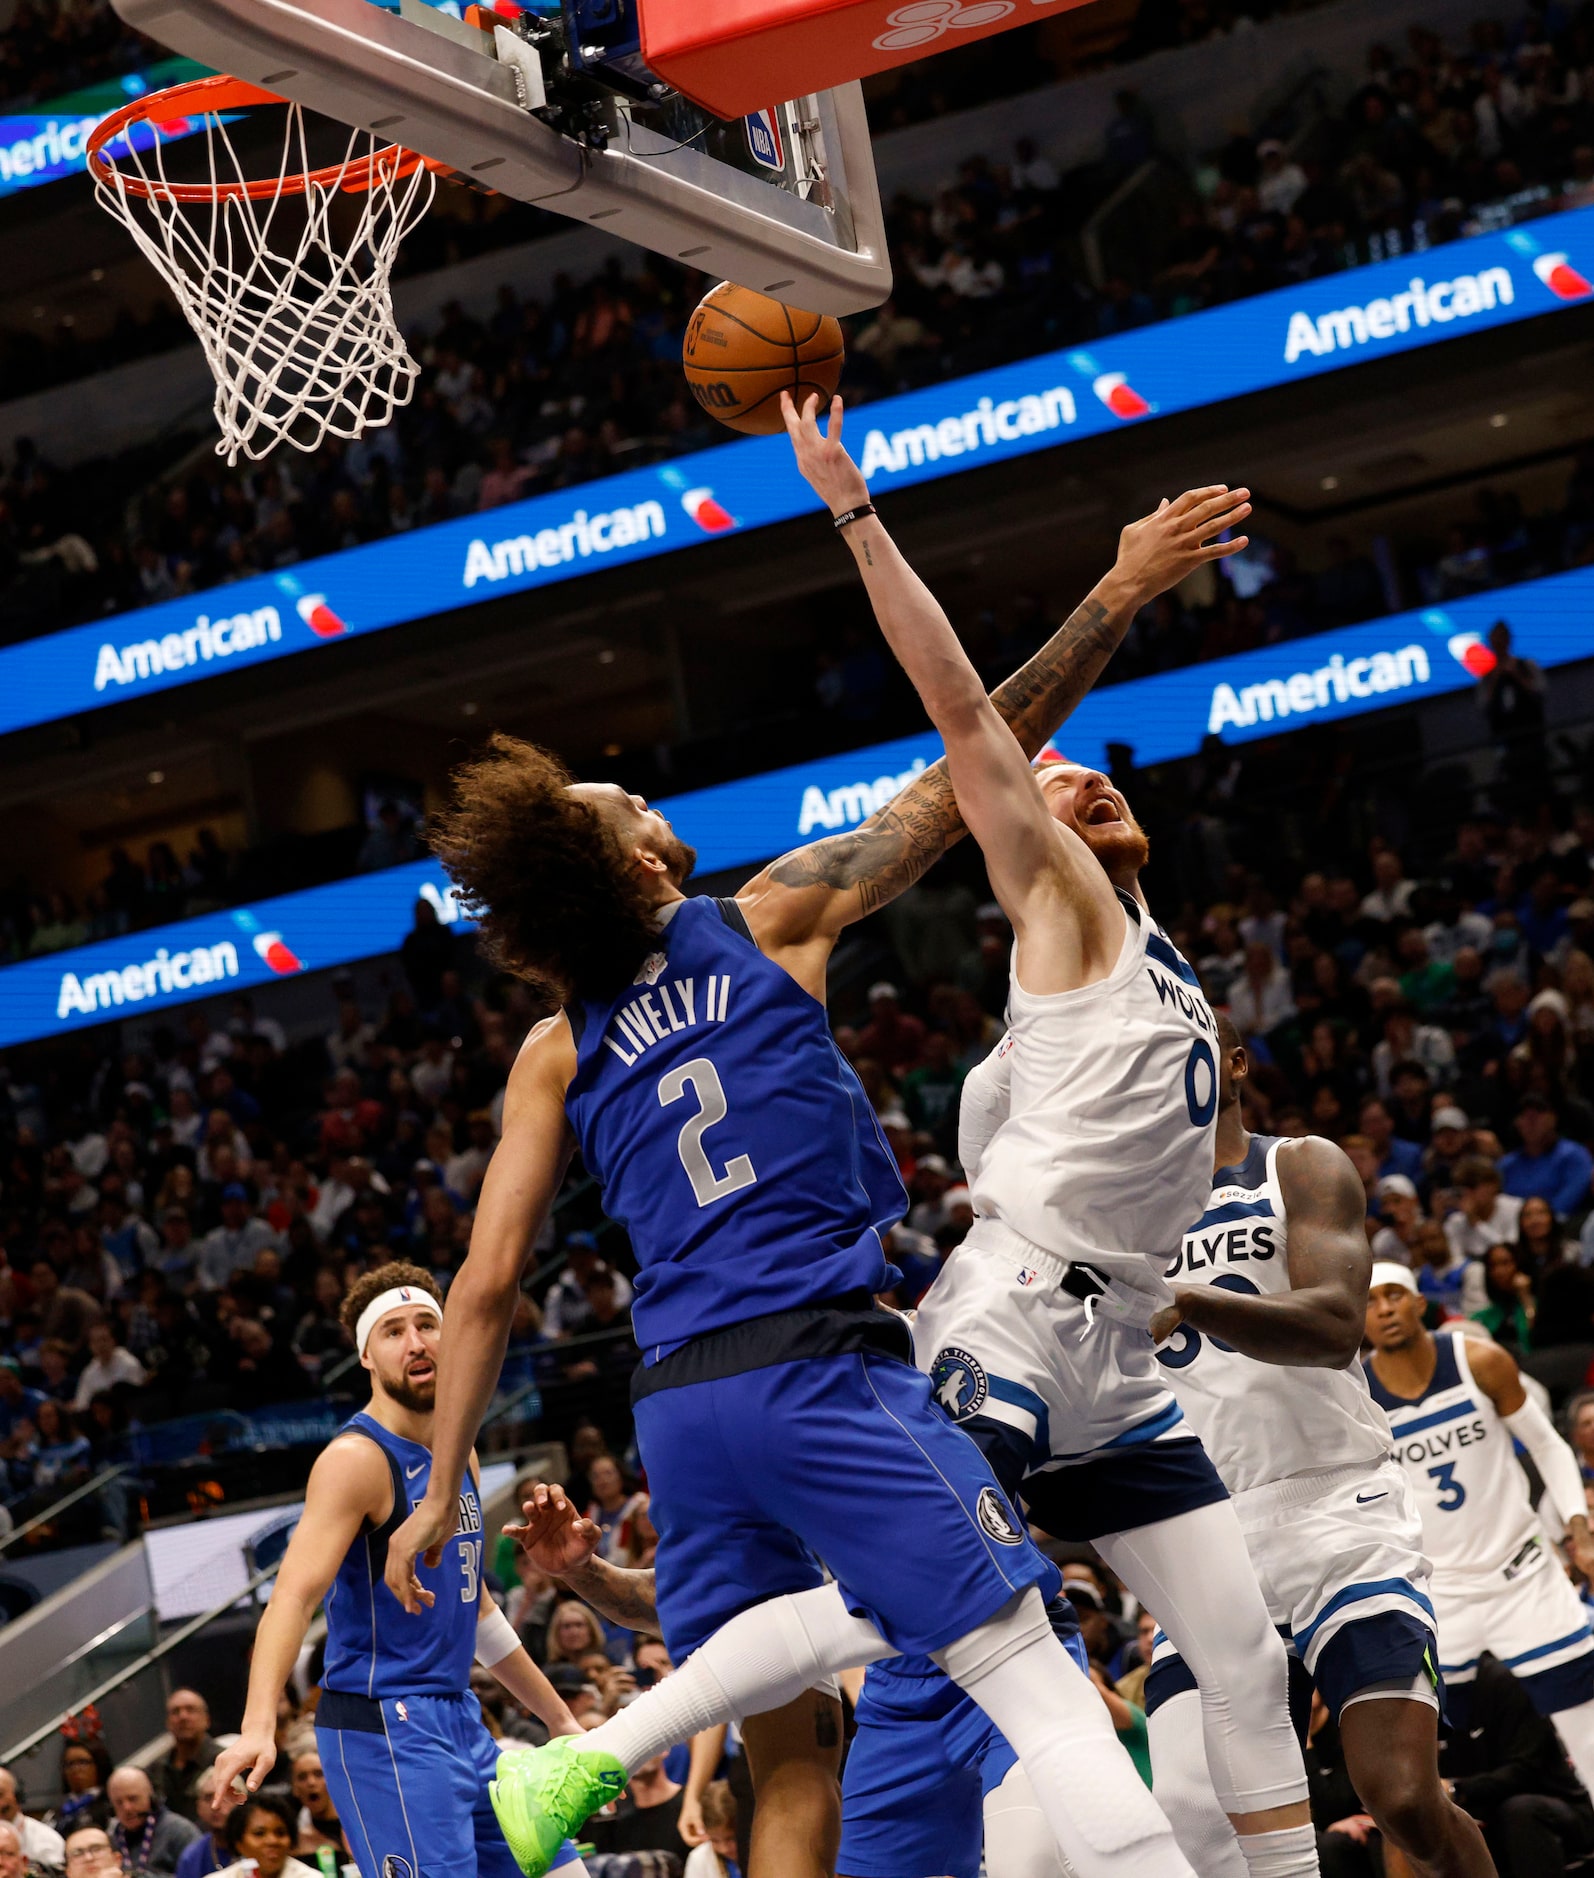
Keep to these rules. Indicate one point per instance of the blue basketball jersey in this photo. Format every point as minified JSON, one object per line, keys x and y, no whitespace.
{"x":374,"y":1647}
{"x":732,"y":1139}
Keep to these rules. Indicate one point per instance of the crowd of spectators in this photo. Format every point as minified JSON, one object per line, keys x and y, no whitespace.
{"x":1258,"y":599}
{"x":180,"y":1222}
{"x":541,"y":394}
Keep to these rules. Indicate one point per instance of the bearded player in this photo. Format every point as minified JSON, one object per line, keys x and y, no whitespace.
{"x":692,"y":1062}
{"x":403,"y":1745}
{"x":1262,"y":1346}
{"x":1080,"y":1196}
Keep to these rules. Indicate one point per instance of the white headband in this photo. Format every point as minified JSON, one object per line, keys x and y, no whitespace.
{"x":393,"y":1300}
{"x":1387,"y":1272}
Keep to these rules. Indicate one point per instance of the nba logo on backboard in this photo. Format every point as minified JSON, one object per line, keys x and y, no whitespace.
{"x":763,"y":139}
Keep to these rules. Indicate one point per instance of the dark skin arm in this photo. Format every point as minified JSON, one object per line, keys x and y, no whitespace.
{"x":1318,"y":1322}
{"x":1495,"y":1372}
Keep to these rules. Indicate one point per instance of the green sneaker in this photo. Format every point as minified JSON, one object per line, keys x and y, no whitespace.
{"x":543,"y":1794}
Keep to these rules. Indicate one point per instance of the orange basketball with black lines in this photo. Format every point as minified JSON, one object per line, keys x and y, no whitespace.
{"x":742,"y":350}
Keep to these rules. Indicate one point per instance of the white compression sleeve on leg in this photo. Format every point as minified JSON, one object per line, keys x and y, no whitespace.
{"x":1018,"y":1841}
{"x":1288,"y":1854}
{"x":1106,"y":1822}
{"x":1557,"y":1464}
{"x":1575,"y":1726}
{"x":1184,"y":1791}
{"x":761,"y":1660}
{"x":1217,"y":1619}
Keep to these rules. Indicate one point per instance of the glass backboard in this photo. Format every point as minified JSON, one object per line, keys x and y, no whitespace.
{"x":542,"y":108}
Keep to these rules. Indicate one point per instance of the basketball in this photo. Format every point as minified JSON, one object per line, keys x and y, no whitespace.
{"x":742,"y":350}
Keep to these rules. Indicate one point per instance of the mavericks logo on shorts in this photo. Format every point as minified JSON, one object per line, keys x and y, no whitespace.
{"x":958,"y":1383}
{"x":395,"y":1867}
{"x":994,"y":1519}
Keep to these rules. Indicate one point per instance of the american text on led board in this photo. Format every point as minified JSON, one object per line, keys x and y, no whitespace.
{"x":1402,"y":659}
{"x":1180,"y":365}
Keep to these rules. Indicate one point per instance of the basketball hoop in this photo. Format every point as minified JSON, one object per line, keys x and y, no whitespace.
{"x":295,"y":316}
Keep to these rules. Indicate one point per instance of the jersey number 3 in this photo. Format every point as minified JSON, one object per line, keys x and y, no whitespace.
{"x":703,"y":1079}
{"x":1451,"y":1492}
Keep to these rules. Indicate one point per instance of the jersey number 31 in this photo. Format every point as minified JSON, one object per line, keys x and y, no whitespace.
{"x":703,"y":1079}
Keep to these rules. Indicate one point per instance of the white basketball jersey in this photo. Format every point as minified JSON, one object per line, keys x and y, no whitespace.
{"x":1260,"y":1422}
{"x":1477,"y":1518}
{"x":1107,"y":1146}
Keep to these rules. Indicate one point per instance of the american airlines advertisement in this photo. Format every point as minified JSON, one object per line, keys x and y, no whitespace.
{"x":1401,"y":660}
{"x":1038,"y":404}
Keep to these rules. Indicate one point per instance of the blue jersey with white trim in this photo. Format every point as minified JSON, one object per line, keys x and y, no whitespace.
{"x":1477,"y":1517}
{"x":374,"y":1647}
{"x":732,"y":1139}
{"x":1260,"y":1422}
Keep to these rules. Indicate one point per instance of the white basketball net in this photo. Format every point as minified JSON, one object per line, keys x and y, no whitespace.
{"x":296,"y":320}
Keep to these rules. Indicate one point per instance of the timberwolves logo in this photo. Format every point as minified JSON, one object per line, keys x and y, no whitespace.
{"x":395,"y":1867}
{"x":958,"y":1383}
{"x":991,"y":1510}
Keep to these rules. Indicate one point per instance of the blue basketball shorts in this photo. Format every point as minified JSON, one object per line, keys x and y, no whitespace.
{"x":757,"y":1477}
{"x":920,"y":1767}
{"x":924,"y":1758}
{"x":408,"y":1776}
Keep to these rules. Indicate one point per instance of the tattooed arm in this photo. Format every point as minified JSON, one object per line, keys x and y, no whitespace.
{"x":800,"y":903}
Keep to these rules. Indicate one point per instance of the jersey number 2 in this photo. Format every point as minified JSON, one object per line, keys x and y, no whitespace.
{"x":703,"y":1079}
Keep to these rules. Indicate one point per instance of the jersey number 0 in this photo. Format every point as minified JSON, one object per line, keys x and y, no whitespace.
{"x":703,"y":1079}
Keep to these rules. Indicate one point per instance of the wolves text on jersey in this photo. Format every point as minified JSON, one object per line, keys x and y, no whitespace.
{"x":1251,"y":1240}
{"x":1190,"y":1003}
{"x":1436,"y":1446}
{"x":654,"y":1014}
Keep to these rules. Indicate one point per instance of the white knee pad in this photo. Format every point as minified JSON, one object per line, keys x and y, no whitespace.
{"x":1056,"y":1722}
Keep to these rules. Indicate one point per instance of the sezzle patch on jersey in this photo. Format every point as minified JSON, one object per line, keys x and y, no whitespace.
{"x":958,"y":1383}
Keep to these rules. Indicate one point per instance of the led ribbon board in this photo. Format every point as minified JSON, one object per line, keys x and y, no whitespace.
{"x":1227,"y":352}
{"x":1400,"y":660}
{"x":48,"y":143}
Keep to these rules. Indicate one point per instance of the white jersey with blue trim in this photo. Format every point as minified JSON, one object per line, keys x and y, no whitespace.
{"x":1260,"y":1422}
{"x":1107,"y":1146}
{"x":1478,"y":1521}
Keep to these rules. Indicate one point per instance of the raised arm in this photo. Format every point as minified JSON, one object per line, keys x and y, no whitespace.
{"x":1317,"y":1323}
{"x":521,"y":1184}
{"x":802,"y":901}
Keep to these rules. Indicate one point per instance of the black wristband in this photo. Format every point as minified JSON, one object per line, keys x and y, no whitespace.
{"x":854,"y":515}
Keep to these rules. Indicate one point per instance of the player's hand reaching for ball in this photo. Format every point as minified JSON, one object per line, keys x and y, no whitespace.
{"x":555,"y":1537}
{"x":1157,"y":552}
{"x":829,"y":471}
{"x":427,"y":1530}
{"x":248,"y":1756}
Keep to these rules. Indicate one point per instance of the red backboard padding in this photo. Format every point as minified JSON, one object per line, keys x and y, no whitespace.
{"x":736,"y":56}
